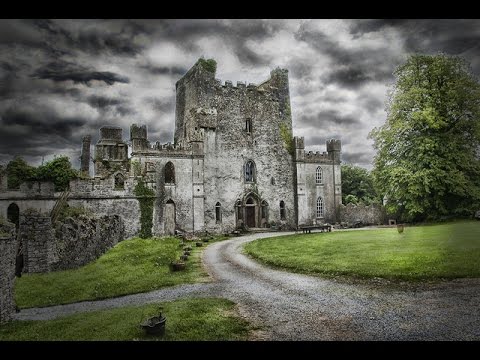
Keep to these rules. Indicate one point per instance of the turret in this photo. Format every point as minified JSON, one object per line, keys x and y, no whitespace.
{"x":334,"y":147}
{"x":138,"y":137}
{"x":299,"y":143}
{"x":85,"y":157}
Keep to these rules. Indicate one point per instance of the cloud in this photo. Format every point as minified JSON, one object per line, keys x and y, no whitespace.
{"x":165,"y":70}
{"x":64,"y":71}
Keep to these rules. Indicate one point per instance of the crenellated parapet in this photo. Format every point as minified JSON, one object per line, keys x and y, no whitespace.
{"x":317,"y":157}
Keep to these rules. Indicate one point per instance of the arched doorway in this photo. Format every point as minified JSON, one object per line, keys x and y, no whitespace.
{"x":170,"y":217}
{"x":251,"y":212}
{"x":13,"y":214}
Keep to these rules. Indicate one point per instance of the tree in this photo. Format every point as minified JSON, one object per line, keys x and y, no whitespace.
{"x":427,"y":162}
{"x":59,"y":171}
{"x":357,"y":185}
{"x":18,"y":172}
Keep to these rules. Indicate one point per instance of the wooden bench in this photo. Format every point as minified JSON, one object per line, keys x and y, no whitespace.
{"x":308,"y":228}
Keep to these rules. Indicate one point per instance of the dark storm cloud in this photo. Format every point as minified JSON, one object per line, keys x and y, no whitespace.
{"x":365,"y":26}
{"x":324,"y":117}
{"x":349,"y":77}
{"x":362,"y":158}
{"x":101,"y":102}
{"x":165,"y":104}
{"x":38,"y":133}
{"x":97,"y":40}
{"x":63,"y":71}
{"x":165,"y":70}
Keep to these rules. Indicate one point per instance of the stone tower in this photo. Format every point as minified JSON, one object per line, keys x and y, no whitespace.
{"x":85,"y":158}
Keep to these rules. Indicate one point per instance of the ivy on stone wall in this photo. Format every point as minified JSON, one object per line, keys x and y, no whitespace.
{"x":210,"y":65}
{"x":145,"y":197}
{"x":287,"y":137}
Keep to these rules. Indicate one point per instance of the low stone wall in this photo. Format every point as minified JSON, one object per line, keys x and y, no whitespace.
{"x":371,"y":214}
{"x":83,"y":239}
{"x":7,"y":270}
{"x":72,"y":243}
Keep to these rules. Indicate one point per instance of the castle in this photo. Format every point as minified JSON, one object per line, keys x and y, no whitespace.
{"x":234,"y":163}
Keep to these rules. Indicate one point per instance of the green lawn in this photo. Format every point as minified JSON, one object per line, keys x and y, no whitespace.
{"x":132,"y":266}
{"x":190,"y":319}
{"x":423,"y":252}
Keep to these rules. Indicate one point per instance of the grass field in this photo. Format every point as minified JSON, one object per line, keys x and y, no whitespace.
{"x":449,"y":250}
{"x":132,"y":266}
{"x":191,"y":319}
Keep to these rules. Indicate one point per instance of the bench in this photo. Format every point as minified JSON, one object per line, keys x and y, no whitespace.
{"x":323,"y":228}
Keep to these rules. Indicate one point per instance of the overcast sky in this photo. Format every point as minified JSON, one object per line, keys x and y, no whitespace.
{"x":63,"y":79}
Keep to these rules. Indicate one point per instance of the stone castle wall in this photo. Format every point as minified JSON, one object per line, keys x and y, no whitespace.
{"x":72,"y":243}
{"x":7,"y":270}
{"x":369,"y":214}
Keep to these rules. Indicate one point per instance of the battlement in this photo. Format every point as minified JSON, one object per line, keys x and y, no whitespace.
{"x":334,"y":145}
{"x":138,"y":131}
{"x":317,"y":157}
{"x":111,"y":133}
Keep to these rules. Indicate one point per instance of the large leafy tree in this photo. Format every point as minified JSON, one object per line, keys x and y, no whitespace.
{"x":427,"y":162}
{"x":357,"y":185}
{"x":59,"y":171}
{"x":18,"y":172}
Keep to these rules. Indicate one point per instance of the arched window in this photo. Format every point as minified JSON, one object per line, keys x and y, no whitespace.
{"x":13,"y":214}
{"x":218,"y":213}
{"x":248,"y":126}
{"x":264,"y":210}
{"x":319,"y":175}
{"x":119,"y":182}
{"x":250,"y":171}
{"x":272,"y":181}
{"x":169,"y":173}
{"x":282,"y":210}
{"x":319,"y":207}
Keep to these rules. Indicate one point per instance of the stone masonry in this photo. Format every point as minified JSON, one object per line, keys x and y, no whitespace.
{"x":234,"y":163}
{"x":7,"y":270}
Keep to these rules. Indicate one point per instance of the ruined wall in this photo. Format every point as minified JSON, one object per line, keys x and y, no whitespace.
{"x":371,"y":214}
{"x":83,"y":239}
{"x":36,"y":237}
{"x":72,"y":243}
{"x":7,"y":270}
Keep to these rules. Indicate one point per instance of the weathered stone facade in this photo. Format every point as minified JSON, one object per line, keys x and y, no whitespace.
{"x":72,"y":243}
{"x":373,"y":214}
{"x":7,"y":270}
{"x":234,"y":163}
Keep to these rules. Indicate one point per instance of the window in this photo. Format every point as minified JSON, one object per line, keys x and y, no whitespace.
{"x":264,"y":210}
{"x":119,"y":182}
{"x":250,"y":171}
{"x":282,"y":210}
{"x":248,"y":126}
{"x":319,"y":207}
{"x":169,"y":173}
{"x":218,"y":213}
{"x":272,"y":181}
{"x":319,"y":175}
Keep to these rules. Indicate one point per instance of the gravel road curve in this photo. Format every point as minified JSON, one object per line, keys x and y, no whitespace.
{"x":288,"y":306}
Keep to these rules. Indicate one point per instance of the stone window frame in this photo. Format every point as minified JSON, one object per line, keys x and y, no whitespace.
{"x":283,"y":214}
{"x":250,"y":176}
{"x":218,"y":213}
{"x":319,"y":175}
{"x":116,"y":185}
{"x":170,"y":179}
{"x":320,"y":213}
{"x":248,"y":126}
{"x":264,"y":210}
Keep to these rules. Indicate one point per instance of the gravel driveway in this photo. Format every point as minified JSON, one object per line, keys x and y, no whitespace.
{"x":289,"y":306}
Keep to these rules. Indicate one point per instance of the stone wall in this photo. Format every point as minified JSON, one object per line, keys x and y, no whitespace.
{"x":74,"y":242}
{"x":83,"y":239}
{"x":7,"y":270}
{"x":371,"y":214}
{"x":36,"y":236}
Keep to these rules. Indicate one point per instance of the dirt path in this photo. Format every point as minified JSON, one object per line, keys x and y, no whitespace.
{"x":291,"y":306}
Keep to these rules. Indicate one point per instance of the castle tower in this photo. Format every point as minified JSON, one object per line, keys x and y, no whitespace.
{"x":111,"y":152}
{"x":334,"y":147}
{"x":85,"y":158}
{"x":138,"y":137}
